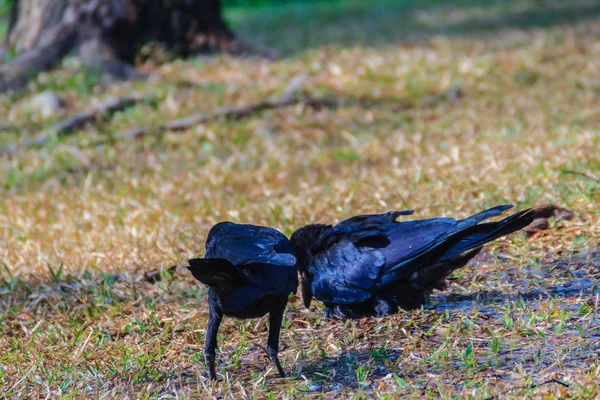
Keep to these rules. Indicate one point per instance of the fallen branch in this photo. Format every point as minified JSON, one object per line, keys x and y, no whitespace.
{"x":244,"y":111}
{"x":79,"y":120}
{"x":235,"y":113}
{"x":588,"y":176}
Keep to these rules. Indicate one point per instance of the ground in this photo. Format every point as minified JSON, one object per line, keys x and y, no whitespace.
{"x":444,"y":107}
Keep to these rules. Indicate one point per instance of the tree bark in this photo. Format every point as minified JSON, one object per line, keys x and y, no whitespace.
{"x":33,"y":18}
{"x":107,"y":34}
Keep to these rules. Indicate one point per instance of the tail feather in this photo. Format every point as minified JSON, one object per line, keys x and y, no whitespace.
{"x":434,"y":276}
{"x":413,"y":293}
{"x":217,"y":272}
{"x":481,"y":234}
{"x":486,"y":214}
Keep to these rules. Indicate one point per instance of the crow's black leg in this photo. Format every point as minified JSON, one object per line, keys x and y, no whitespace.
{"x":329,"y":310}
{"x":275,"y":319}
{"x":344,"y":312}
{"x":214,"y":320}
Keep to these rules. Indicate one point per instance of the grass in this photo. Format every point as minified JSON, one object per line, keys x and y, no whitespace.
{"x":84,"y":218}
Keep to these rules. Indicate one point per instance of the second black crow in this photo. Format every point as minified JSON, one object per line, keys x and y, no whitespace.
{"x":371,"y":265}
{"x":250,"y":271}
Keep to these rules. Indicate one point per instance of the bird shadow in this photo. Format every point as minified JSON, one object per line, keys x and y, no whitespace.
{"x":343,"y":371}
{"x":484,"y":299}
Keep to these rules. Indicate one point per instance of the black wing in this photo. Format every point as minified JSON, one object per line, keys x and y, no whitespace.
{"x":243,"y":244}
{"x":346,"y":264}
{"x":371,"y":251}
{"x":245,"y":263}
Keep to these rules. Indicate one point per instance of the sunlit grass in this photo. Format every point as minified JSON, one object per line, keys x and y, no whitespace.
{"x":443,"y":118}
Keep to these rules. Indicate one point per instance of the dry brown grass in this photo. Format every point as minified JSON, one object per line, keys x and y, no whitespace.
{"x":87,"y":207}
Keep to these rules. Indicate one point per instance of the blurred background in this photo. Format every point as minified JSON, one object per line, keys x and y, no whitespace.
{"x":128,"y":128}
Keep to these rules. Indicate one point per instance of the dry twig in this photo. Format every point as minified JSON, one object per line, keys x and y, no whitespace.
{"x":585,"y":175}
{"x":77,"y":121}
{"x":235,"y":113}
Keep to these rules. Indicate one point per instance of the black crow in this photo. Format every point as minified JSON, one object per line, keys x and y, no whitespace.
{"x":370,"y":265}
{"x":250,"y":271}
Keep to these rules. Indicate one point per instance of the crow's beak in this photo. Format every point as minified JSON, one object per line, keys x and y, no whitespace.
{"x":307,"y":293}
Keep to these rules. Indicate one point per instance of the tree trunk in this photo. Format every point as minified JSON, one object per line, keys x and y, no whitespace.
{"x":33,"y":17}
{"x":108,"y":34}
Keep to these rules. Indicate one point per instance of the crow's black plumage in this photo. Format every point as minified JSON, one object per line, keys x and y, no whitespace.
{"x":250,"y":271}
{"x":370,"y":265}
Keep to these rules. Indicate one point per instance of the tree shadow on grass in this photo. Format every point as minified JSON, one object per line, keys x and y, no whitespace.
{"x":293,"y":28}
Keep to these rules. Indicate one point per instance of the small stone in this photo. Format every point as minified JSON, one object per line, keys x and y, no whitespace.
{"x":455,"y":94}
{"x":47,"y":104}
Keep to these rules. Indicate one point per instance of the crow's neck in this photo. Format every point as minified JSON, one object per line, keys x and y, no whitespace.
{"x":306,"y":241}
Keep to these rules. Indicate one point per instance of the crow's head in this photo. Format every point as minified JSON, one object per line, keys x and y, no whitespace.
{"x":306,"y":241}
